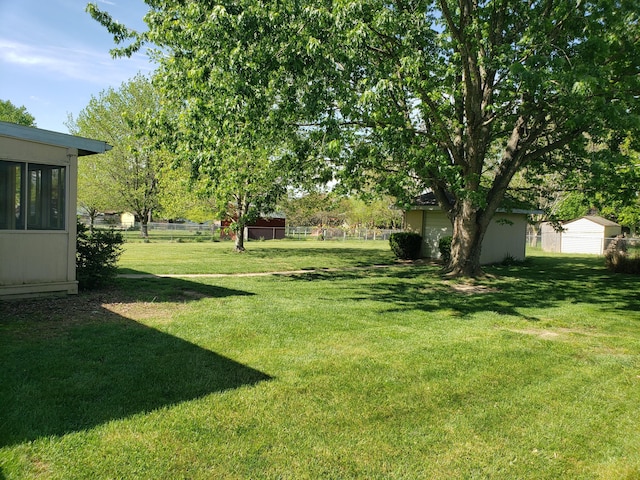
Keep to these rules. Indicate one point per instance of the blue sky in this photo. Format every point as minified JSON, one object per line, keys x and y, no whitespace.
{"x":54,"y":56}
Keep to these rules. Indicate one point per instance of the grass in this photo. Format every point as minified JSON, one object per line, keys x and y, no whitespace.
{"x":155,"y":235}
{"x":274,"y":255}
{"x":531,"y":372}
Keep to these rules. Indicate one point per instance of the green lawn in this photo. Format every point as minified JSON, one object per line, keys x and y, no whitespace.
{"x":268,"y":256}
{"x":531,"y":373}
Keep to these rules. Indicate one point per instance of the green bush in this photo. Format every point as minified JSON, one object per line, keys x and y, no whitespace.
{"x":444,"y":246}
{"x":405,"y":245}
{"x":97,"y":256}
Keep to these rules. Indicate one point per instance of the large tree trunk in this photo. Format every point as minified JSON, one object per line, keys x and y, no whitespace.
{"x":470,"y":222}
{"x":466,"y":244}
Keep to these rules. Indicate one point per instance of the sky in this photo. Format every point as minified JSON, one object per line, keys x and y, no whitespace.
{"x":54,"y":57}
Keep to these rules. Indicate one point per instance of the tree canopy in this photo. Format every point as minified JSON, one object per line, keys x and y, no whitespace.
{"x":456,"y":96}
{"x":126,"y":177}
{"x":11,"y":113}
{"x":226,"y":97}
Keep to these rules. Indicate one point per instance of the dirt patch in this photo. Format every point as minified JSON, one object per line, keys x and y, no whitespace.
{"x":544,"y":334}
{"x":53,"y":316}
{"x":470,"y":289}
{"x":559,"y":333}
{"x":142,"y":310}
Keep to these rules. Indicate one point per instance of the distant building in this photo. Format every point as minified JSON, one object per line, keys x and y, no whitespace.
{"x":269,"y":227}
{"x":590,"y":234}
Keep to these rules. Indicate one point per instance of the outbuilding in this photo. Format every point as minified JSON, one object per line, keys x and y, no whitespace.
{"x":38,"y":190}
{"x":267,"y":227}
{"x":505,"y":237}
{"x":590,"y":234}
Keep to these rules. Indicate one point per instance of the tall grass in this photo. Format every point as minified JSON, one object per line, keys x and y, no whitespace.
{"x":532,"y":372}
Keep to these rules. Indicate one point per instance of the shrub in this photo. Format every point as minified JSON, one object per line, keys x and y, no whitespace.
{"x":405,"y":245}
{"x":618,"y":260}
{"x":444,"y":246}
{"x":97,"y":255}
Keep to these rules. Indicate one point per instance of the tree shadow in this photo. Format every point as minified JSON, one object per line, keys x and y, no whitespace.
{"x":69,"y":364}
{"x":540,"y":283}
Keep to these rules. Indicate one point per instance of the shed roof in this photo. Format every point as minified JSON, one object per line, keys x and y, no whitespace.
{"x":596,"y":219}
{"x":85,"y":146}
{"x":428,"y":201}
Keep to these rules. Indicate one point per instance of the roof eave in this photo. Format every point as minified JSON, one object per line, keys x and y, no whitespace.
{"x":85,"y":146}
{"x":520,"y":211}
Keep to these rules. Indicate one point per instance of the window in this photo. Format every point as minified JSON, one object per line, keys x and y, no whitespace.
{"x":33,"y":192}
{"x":11,"y":196}
{"x":45,"y":203}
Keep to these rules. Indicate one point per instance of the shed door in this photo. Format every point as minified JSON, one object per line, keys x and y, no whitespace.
{"x":434,"y":226}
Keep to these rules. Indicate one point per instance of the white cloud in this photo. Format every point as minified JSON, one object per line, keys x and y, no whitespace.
{"x":78,"y":64}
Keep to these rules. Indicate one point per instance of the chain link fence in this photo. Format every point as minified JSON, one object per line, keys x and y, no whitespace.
{"x":190,"y":232}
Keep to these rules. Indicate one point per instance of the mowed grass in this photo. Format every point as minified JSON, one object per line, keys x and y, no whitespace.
{"x":268,"y":256}
{"x":532,"y":372}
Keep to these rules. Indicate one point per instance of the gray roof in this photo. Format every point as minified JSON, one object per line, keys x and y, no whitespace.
{"x":85,"y":146}
{"x":428,"y":201}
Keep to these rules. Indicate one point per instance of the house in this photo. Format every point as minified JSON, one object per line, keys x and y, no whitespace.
{"x":505,"y":236}
{"x":590,"y":234}
{"x":38,"y":187}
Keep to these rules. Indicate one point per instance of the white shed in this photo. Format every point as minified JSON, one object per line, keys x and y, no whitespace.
{"x":590,"y":234}
{"x":505,"y":237}
{"x":38,"y":176}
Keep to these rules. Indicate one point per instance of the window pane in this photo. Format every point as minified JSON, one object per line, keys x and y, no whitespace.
{"x":46,"y":200}
{"x":11,"y":196}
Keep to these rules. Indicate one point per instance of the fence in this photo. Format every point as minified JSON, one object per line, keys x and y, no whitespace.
{"x":184,"y":232}
{"x":581,"y":244}
{"x":343,"y":234}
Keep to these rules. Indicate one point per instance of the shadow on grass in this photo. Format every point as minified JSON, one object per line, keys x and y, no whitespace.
{"x":540,"y":282}
{"x":69,"y":364}
{"x":151,"y":288}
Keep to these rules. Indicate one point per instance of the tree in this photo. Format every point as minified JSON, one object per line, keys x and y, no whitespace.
{"x":244,"y":183}
{"x":95,"y":188}
{"x":315,"y":208}
{"x":606,"y":182}
{"x":11,"y":113}
{"x":224,"y":90}
{"x":126,"y":177}
{"x":372,"y":212}
{"x":618,"y":200}
{"x":182,"y":198}
{"x":454,"y":96}
{"x":463,"y":95}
